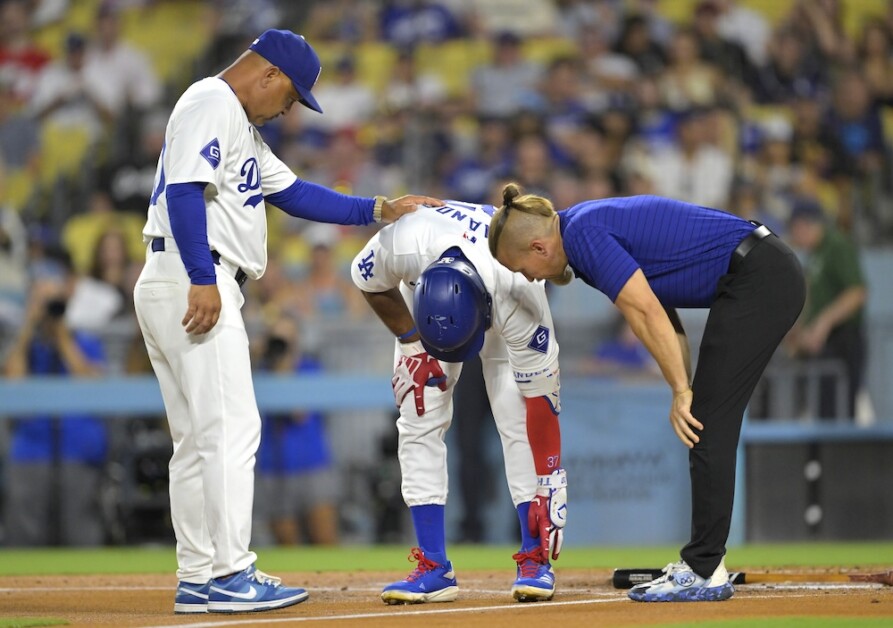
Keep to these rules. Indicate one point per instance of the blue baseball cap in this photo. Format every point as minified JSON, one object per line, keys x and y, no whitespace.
{"x":295,"y":57}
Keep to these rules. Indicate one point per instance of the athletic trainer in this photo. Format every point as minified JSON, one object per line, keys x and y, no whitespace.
{"x":651,"y":255}
{"x":206,"y":234}
{"x":431,"y":280}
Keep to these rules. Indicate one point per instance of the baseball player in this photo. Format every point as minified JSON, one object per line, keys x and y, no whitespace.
{"x":650,"y":255}
{"x":432,"y":282}
{"x":206,"y":234}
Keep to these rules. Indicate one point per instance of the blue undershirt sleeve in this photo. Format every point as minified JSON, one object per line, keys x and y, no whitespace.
{"x":303,"y":199}
{"x":189,"y":224}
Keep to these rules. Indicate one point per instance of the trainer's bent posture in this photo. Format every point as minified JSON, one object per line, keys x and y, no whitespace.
{"x":431,"y":280}
{"x":650,"y":255}
{"x":206,"y":233}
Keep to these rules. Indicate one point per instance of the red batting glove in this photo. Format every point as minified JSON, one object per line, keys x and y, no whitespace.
{"x":548,"y":512}
{"x":415,"y":370}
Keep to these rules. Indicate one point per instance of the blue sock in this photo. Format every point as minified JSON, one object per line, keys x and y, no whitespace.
{"x":527,"y":542}
{"x":430,"y":530}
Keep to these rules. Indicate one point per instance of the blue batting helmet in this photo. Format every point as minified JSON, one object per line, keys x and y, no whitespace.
{"x":452,"y":308}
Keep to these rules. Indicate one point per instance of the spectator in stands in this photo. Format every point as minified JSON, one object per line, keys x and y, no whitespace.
{"x":609,"y":71}
{"x":562,"y":103}
{"x":775,"y":172}
{"x":746,"y":27}
{"x":21,"y":60}
{"x":130,"y":178}
{"x":349,"y":102}
{"x":410,"y":22}
{"x":687,"y":81}
{"x":635,"y":41}
{"x":694,"y":171}
{"x":789,"y":70}
{"x":407,"y":88}
{"x":102,"y":295}
{"x":67,"y":96}
{"x":81,"y":233}
{"x":350,"y":21}
{"x":298,"y":488}
{"x":729,"y":57}
{"x":473,"y":175}
{"x":856,"y":122}
{"x":121,"y":75}
{"x":533,"y":166}
{"x":54,"y":465}
{"x":655,"y":125}
{"x":620,"y":354}
{"x":747,"y":202}
{"x":831,"y":326}
{"x":875,"y":59}
{"x":19,"y":132}
{"x":508,"y":83}
{"x":579,"y":19}
{"x":324,"y":293}
{"x":14,"y":262}
{"x":818,"y":24}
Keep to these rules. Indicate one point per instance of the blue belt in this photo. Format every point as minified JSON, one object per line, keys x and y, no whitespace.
{"x":241,"y":277}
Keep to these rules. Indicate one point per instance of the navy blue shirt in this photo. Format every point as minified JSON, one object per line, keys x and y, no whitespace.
{"x":682,"y":249}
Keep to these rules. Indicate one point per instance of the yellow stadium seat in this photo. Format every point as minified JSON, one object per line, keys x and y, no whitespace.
{"x":17,"y":187}
{"x":62,"y":150}
{"x":453,"y":62}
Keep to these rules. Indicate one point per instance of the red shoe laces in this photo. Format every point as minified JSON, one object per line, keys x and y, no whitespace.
{"x":529,"y":562}
{"x":425,"y":565}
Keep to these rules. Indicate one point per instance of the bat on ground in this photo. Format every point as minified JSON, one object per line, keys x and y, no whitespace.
{"x":628,"y":578}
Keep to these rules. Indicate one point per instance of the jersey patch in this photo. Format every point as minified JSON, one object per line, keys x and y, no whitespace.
{"x":540,"y":340}
{"x":211,"y":152}
{"x":366,"y":265}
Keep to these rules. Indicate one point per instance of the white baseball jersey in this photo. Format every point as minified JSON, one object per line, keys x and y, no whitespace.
{"x":521,"y":317}
{"x":519,"y":356}
{"x":210,"y":140}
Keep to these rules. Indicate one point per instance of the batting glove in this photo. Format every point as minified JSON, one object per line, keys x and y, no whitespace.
{"x":548,"y":512}
{"x":415,"y":370}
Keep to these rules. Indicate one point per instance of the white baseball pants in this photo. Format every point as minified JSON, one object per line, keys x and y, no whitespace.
{"x":208,"y":395}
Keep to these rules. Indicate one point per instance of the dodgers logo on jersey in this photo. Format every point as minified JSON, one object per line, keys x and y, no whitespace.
{"x":211,"y":152}
{"x":540,"y":340}
{"x":366,"y":265}
{"x":251,"y":172}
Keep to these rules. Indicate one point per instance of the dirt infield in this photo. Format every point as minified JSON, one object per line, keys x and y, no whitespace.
{"x":584,"y":598}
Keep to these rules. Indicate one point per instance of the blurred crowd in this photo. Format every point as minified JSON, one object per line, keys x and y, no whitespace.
{"x":775,"y":117}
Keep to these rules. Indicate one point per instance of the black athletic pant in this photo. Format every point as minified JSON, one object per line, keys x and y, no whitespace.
{"x":756,"y":304}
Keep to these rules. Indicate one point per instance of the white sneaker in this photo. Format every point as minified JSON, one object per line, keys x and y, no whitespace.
{"x":681,"y":584}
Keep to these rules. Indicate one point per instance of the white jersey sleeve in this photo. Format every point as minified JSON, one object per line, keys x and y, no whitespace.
{"x":523,"y":319}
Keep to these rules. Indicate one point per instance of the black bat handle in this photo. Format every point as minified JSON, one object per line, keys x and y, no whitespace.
{"x":628,"y":578}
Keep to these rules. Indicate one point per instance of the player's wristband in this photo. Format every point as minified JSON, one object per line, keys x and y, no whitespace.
{"x":412,"y":332}
{"x":376,"y":209}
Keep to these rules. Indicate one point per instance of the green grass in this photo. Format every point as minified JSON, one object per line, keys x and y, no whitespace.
{"x":469,"y":557}
{"x":32,"y":622}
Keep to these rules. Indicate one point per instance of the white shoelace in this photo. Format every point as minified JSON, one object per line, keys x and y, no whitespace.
{"x":673,"y":568}
{"x":264,"y":578}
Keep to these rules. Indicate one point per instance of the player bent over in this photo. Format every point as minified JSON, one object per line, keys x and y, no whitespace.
{"x":435,"y":262}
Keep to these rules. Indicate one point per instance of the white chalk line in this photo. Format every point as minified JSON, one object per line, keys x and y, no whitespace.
{"x":422,"y":613}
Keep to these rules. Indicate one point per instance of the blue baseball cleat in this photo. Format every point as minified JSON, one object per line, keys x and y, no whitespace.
{"x":191,"y":598}
{"x":428,"y":582}
{"x":681,"y":584}
{"x":251,"y":590}
{"x":535,"y":581}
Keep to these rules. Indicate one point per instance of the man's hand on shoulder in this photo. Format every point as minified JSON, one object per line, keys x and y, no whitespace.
{"x":392,"y":209}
